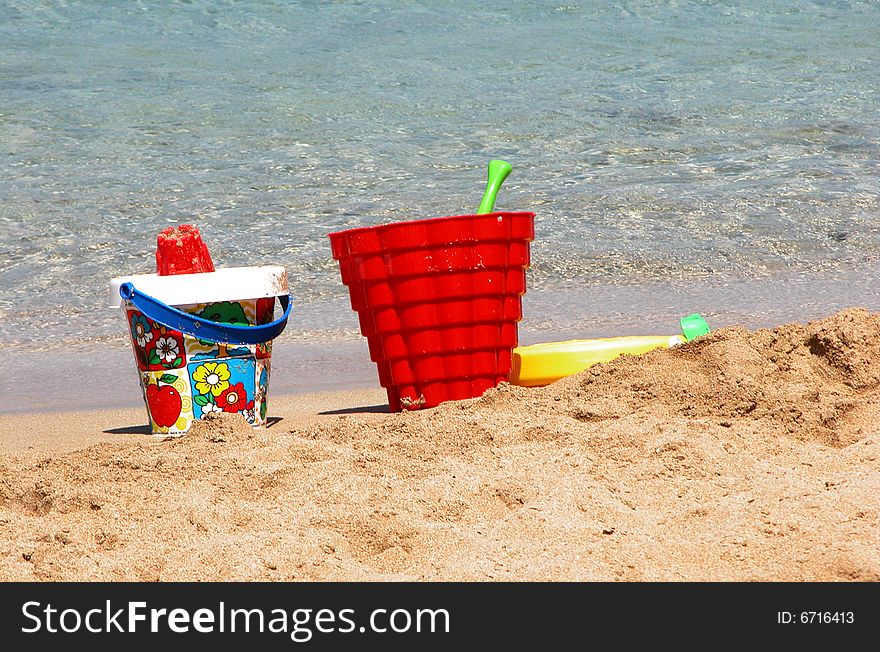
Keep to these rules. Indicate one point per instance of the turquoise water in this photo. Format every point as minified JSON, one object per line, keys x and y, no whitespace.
{"x":670,"y":150}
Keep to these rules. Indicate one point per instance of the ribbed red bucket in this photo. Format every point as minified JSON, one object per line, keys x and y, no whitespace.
{"x":438,"y":301}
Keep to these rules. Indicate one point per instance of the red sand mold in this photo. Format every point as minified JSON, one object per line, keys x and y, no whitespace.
{"x":180,"y":250}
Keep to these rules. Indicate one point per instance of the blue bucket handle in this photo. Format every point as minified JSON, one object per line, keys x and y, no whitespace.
{"x":205,"y":329}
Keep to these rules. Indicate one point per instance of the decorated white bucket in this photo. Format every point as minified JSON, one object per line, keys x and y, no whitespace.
{"x":203,"y":342}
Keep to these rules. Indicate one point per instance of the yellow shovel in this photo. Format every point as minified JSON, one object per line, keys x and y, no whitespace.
{"x":542,"y":364}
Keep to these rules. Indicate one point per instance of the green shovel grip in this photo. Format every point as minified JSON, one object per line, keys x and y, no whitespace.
{"x":498,"y":171}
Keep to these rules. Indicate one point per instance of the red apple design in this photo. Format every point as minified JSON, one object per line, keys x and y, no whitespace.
{"x":164,"y":403}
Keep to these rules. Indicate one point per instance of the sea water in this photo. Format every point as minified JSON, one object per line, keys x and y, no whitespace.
{"x":719,"y":157}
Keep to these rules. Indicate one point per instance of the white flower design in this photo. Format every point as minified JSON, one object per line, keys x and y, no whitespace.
{"x":248,"y":414}
{"x":167,"y":349}
{"x":212,"y":408}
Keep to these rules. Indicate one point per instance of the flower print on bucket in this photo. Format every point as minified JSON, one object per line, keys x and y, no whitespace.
{"x":211,"y":377}
{"x":233,"y":399}
{"x":236,"y":378}
{"x":140,"y":329}
{"x":168,"y":349}
{"x":211,"y":408}
{"x":156,"y":347}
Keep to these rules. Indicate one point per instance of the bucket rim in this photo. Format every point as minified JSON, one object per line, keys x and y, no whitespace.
{"x":223,"y":284}
{"x":450,"y":218}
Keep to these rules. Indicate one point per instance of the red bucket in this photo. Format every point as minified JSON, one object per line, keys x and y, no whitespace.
{"x":438,"y":301}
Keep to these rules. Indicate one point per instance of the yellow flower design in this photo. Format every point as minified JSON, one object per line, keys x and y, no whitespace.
{"x":212,"y":377}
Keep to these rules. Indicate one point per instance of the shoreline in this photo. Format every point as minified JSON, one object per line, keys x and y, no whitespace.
{"x":306,"y":361}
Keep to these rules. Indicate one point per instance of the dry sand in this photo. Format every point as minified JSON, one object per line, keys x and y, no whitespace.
{"x":741,"y":456}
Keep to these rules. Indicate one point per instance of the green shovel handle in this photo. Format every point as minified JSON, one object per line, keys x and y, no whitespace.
{"x":498,"y":171}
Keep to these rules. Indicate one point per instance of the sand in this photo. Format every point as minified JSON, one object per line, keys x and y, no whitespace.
{"x":740,"y":456}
